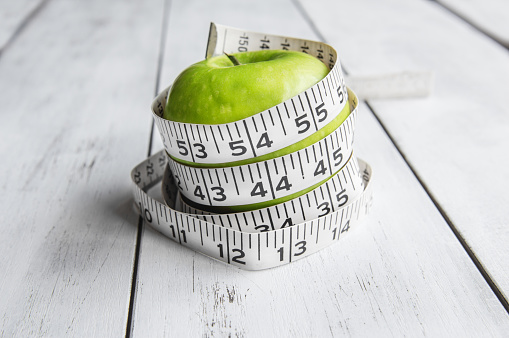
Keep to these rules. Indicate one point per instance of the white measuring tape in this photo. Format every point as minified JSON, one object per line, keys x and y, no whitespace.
{"x":271,"y":179}
{"x":320,"y":191}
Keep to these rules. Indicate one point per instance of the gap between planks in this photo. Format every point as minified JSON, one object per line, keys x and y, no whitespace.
{"x":493,"y":286}
{"x":473,"y":24}
{"x":23,"y":24}
{"x":139,"y":233}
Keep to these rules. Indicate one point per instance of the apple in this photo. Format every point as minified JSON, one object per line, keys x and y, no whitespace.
{"x":216,"y":91}
{"x":229,"y":88}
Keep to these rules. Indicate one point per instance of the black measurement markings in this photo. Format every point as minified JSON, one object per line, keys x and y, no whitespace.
{"x":324,"y":89}
{"x":229,"y":220}
{"x":273,"y":162}
{"x":300,"y":162}
{"x":271,"y":222}
{"x":220,"y":132}
{"x":187,"y":174}
{"x":281,"y":120}
{"x":250,"y":173}
{"x":253,"y":118}
{"x":189,"y":143}
{"x":327,"y":78}
{"x":174,"y":125}
{"x":263,"y":122}
{"x":270,"y":179}
{"x":327,"y":141}
{"x":201,"y":233}
{"x":222,"y":223}
{"x":224,"y":175}
{"x":350,"y":175}
{"x":249,"y":138}
{"x":317,"y":230}
{"x":211,"y":181}
{"x":206,"y":188}
{"x":227,"y":245}
{"x":294,"y":108}
{"x":192,"y":132}
{"x":237,"y":128}
{"x":286,"y":109}
{"x":302,"y":210}
{"x":235,"y":181}
{"x":329,"y":194}
{"x":181,"y":174}
{"x":157,"y":213}
{"x":167,"y":130}
{"x":165,"y":214}
{"x":284,"y":165}
{"x":217,"y":177}
{"x":215,"y":140}
{"x":229,"y":132}
{"x":271,"y":118}
{"x":357,"y":209}
{"x":314,"y":96}
{"x":204,"y":133}
{"x":238,"y":221}
{"x":259,"y":248}
{"x":241,"y":174}
{"x":290,"y":246}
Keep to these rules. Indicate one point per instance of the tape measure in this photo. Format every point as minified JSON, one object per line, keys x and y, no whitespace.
{"x":271,"y":179}
{"x":319,"y":192}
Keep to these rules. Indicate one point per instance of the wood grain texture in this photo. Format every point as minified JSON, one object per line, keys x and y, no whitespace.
{"x":75,"y":85}
{"x":488,"y":15}
{"x":456,"y":139}
{"x":13,"y":15}
{"x":402,"y":272}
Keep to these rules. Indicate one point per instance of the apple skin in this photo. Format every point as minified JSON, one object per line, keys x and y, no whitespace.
{"x":215,"y":91}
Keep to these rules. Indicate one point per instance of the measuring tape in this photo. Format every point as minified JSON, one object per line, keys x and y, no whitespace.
{"x":271,"y":179}
{"x":316,"y":194}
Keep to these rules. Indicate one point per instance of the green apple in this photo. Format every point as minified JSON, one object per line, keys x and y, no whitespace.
{"x":229,"y":88}
{"x":216,"y":91}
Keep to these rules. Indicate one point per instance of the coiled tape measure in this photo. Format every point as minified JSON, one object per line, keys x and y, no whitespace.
{"x":323,"y":189}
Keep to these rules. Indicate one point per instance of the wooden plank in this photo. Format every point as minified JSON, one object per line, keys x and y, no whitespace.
{"x":74,"y":88}
{"x":13,"y":15}
{"x":456,"y":138}
{"x":490,"y":16}
{"x":402,"y":272}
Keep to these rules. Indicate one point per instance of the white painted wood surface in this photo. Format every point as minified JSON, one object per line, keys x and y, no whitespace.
{"x":402,"y":273}
{"x":457,"y":139}
{"x":489,"y":15}
{"x":74,"y":89}
{"x":13,"y":14}
{"x":69,"y":229}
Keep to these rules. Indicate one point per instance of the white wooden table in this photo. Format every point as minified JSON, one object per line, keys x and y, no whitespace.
{"x":76,"y":82}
